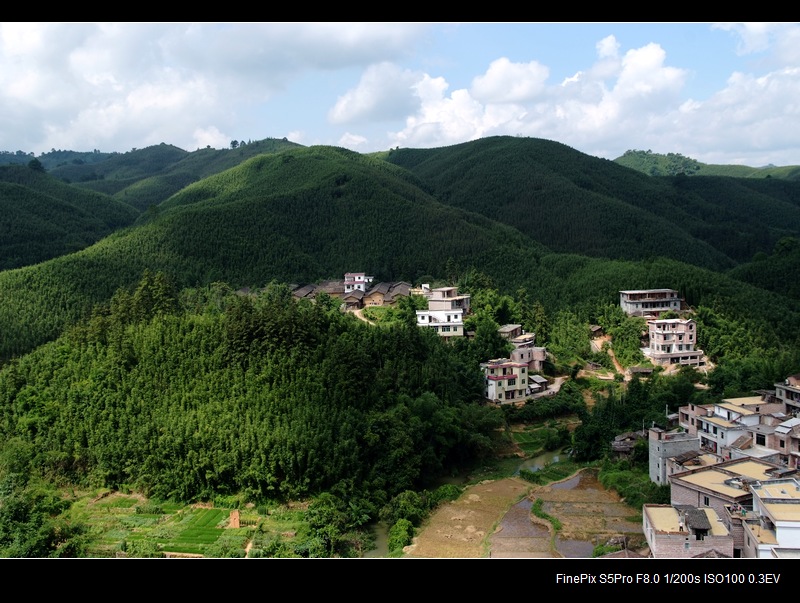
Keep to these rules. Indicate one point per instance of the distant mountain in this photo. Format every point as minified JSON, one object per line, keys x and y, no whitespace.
{"x":672,"y":164}
{"x":145,"y":177}
{"x":41,"y":217}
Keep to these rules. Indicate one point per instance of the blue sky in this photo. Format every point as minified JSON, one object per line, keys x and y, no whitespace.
{"x":717,"y":92}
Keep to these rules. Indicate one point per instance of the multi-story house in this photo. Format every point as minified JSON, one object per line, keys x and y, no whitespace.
{"x":721,"y":425}
{"x":684,"y":531}
{"x":447,"y":298}
{"x":772,"y":528}
{"x":649,"y":302}
{"x":664,"y":445}
{"x":445,"y":313}
{"x":672,"y":341}
{"x":356,"y":281}
{"x":789,"y":393}
{"x":514,"y":378}
{"x":505,"y":380}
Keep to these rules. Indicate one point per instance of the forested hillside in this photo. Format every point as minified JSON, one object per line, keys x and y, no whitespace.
{"x":218,"y":393}
{"x":297,"y":216}
{"x":131,"y":358}
{"x":672,"y":164}
{"x":575,"y":203}
{"x":146,"y":177}
{"x":41,"y":217}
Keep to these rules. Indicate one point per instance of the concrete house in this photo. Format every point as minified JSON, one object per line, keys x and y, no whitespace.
{"x":789,"y":393}
{"x":357,"y":281}
{"x":721,"y":426}
{"x":772,"y":528}
{"x":445,"y":313}
{"x":724,"y":487}
{"x":649,"y":302}
{"x":672,"y":341}
{"x":684,"y":531}
{"x":664,"y":445}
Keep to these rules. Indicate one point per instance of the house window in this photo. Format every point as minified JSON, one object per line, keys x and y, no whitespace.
{"x":445,"y":329}
{"x":512,"y":381}
{"x":761,"y":440}
{"x":782,"y":443}
{"x":706,"y":501}
{"x":523,"y":371}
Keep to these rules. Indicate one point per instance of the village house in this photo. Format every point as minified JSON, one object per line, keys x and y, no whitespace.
{"x":664,"y":445}
{"x":772,"y":528}
{"x":724,"y":487}
{"x":672,"y":341}
{"x":684,"y":531}
{"x":514,"y":378}
{"x":445,"y":313}
{"x":789,"y":393}
{"x":649,"y":302}
{"x":356,"y":291}
{"x":357,"y":281}
{"x":745,"y":427}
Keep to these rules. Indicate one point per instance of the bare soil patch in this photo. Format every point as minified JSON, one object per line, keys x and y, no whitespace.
{"x":486,"y":520}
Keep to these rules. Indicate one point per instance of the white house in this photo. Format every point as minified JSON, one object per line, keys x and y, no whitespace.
{"x":772,"y":530}
{"x":649,"y":302}
{"x":356,"y":281}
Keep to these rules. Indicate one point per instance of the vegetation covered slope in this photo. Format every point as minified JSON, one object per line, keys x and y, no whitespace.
{"x":672,"y":164}
{"x":145,"y":177}
{"x":41,"y":217}
{"x":218,"y":394}
{"x":296,"y":216}
{"x":575,"y":203}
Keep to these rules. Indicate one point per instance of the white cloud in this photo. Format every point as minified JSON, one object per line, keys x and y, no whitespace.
{"x":607,"y":48}
{"x":384,"y":92}
{"x":505,"y":81}
{"x":352,"y":141}
{"x":583,"y":111}
{"x":120,"y":85}
{"x":210,"y":137}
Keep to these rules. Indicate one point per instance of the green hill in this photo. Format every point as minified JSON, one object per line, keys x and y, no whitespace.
{"x":42,"y":217}
{"x":145,"y":177}
{"x":575,"y":203}
{"x":672,"y":164}
{"x":296,"y":216}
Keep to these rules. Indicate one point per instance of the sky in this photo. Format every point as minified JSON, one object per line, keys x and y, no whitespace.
{"x":717,"y":92}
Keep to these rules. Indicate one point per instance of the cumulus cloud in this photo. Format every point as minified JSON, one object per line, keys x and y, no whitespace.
{"x":505,"y":81}
{"x":127,"y":84}
{"x":384,"y":92}
{"x":514,"y":99}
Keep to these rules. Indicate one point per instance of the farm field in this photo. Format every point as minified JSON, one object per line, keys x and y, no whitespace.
{"x":129,"y":525}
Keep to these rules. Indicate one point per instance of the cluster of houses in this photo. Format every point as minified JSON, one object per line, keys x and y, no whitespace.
{"x":508,"y":380}
{"x":732,"y":468}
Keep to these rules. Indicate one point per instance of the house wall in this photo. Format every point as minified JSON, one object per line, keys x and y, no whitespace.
{"x":682,"y":495}
{"x":678,"y":545}
{"x":664,"y":445}
{"x":649,"y":301}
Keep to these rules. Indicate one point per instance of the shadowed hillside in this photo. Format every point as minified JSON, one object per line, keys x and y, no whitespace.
{"x":42,"y":217}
